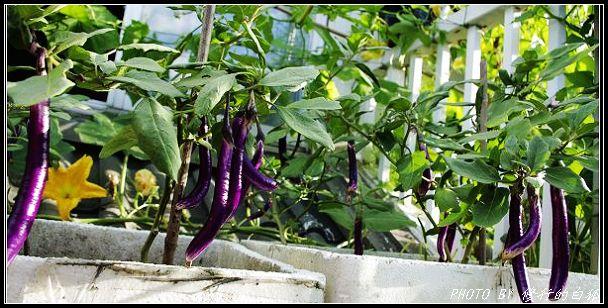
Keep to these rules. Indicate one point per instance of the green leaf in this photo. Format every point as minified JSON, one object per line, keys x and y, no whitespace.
{"x":453,"y":217}
{"x":148,"y":81}
{"x":382,"y":221}
{"x":566,"y":179}
{"x":38,"y":88}
{"x":411,"y":167}
{"x":69,"y":39}
{"x":589,"y":162}
{"x":580,"y":78}
{"x":491,"y":208}
{"x":147,"y":47}
{"x":556,"y":66}
{"x":144,"y":64}
{"x":306,"y":126}
{"x":294,"y":78}
{"x":538,"y":153}
{"x":318,"y":103}
{"x":446,"y":199}
{"x":445,"y":144}
{"x":363,"y":68}
{"x":480,"y":136}
{"x":124,"y":139}
{"x":499,"y":111}
{"x":96,"y":132}
{"x":156,"y":135}
{"x":339,"y":214}
{"x":211,"y":94}
{"x":476,"y":170}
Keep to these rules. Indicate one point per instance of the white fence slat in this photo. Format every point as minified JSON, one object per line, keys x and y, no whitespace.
{"x":557,"y":37}
{"x":473,"y":60}
{"x":442,"y":75}
{"x":510,"y":53}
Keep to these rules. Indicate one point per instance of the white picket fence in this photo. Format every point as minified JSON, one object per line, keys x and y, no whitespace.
{"x":476,"y":16}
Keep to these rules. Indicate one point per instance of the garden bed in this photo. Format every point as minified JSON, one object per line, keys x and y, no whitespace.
{"x":368,"y":278}
{"x":71,"y":262}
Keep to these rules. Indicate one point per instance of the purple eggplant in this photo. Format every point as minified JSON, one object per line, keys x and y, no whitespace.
{"x":256,"y":178}
{"x":515,"y":232}
{"x":425,"y":185}
{"x":352,"y":168}
{"x":449,"y":239}
{"x":33,"y":181}
{"x":283,"y":150}
{"x":518,"y":247}
{"x":240,"y":127}
{"x":219,"y":208}
{"x":201,"y":187}
{"x":441,"y":245}
{"x":561,"y":249}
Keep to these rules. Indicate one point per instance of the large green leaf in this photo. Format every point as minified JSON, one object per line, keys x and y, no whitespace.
{"x":96,"y":132}
{"x":566,"y":179}
{"x":411,"y":167}
{"x":318,"y":103}
{"x":156,"y":135}
{"x":480,"y":136}
{"x":538,"y":153}
{"x":147,"y":47}
{"x":69,"y":39}
{"x":148,"y":81}
{"x":476,"y":170}
{"x":211,"y":94}
{"x":124,"y":139}
{"x":382,"y":221}
{"x":339,"y":214}
{"x":306,"y":126}
{"x":499,"y":111}
{"x":492,"y":207}
{"x":144,"y":64}
{"x":293,"y":78}
{"x":38,"y":88}
{"x":446,"y":199}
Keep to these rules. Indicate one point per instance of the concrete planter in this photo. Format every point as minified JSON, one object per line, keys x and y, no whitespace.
{"x":71,"y":262}
{"x":382,"y":279}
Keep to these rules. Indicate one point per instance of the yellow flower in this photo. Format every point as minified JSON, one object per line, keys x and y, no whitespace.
{"x":145,"y":182}
{"x":67,"y":186}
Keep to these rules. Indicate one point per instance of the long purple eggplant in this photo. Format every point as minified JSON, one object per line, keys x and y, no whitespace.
{"x":196,"y":196}
{"x":450,"y":237}
{"x":256,"y":160}
{"x":283,"y":150}
{"x":33,"y":181}
{"x":561,"y":249}
{"x":219,"y":208}
{"x":441,"y":244}
{"x":358,"y":230}
{"x":352,"y":168}
{"x":256,"y":178}
{"x":515,"y":232}
{"x":518,"y":247}
{"x":425,"y":185}
{"x":240,"y":127}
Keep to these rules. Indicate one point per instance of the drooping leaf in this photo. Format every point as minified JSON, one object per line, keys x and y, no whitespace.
{"x":538,"y":153}
{"x":69,"y":39}
{"x":293,"y":78}
{"x":147,"y":47}
{"x":306,"y":126}
{"x":339,"y":214}
{"x":148,"y":81}
{"x":318,"y":103}
{"x":381,"y":221}
{"x":156,"y":135}
{"x":446,"y":199}
{"x":211,"y":94}
{"x":124,"y":139}
{"x":491,"y":208}
{"x":476,"y":170}
{"x":38,"y":88}
{"x":411,"y":167}
{"x":566,"y":179}
{"x":144,"y":64}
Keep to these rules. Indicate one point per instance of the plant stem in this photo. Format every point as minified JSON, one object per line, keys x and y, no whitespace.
{"x":121,"y":191}
{"x":157,"y":219}
{"x":469,"y":247}
{"x":277,"y":219}
{"x":482,"y":120}
{"x":182,"y":177}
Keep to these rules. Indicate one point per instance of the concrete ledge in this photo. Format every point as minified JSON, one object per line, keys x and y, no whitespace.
{"x":63,"y":280}
{"x":352,"y":278}
{"x":71,"y":262}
